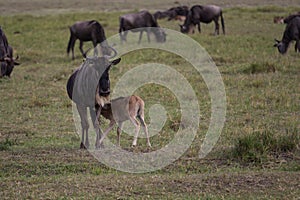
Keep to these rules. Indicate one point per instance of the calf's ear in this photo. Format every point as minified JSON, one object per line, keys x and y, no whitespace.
{"x":115,"y":62}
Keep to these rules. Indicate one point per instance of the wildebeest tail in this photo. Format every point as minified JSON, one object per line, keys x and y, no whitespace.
{"x":70,"y":41}
{"x":121,"y":28}
{"x":222,"y":21}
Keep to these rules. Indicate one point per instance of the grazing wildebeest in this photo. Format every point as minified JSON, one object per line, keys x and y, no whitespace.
{"x":7,"y":62}
{"x":89,"y":87}
{"x":205,"y":14}
{"x":140,"y":22}
{"x":87,"y":31}
{"x":177,"y":13}
{"x":292,"y":32}
{"x":123,"y":109}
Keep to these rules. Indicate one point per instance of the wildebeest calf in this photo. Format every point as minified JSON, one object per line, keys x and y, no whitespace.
{"x":123,"y":109}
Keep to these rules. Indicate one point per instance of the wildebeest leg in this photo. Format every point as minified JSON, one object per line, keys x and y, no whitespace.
{"x":199,"y":28}
{"x":119,"y":131}
{"x":95,"y":114}
{"x":141,"y":118}
{"x":137,"y":129}
{"x":95,"y":48}
{"x":297,"y":46}
{"x":148,"y":34}
{"x":125,"y":36}
{"x":140,"y":37}
{"x":217,"y":26}
{"x":84,"y":126}
{"x":81,"y":50}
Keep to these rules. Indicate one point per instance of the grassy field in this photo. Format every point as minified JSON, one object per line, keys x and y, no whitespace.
{"x":257,"y":155}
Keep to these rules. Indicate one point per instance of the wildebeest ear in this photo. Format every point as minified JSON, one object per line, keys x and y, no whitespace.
{"x":16,"y":63}
{"x":115,"y":62}
{"x":277,"y":40}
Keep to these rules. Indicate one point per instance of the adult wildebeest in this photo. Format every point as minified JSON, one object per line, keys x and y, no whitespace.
{"x":205,"y":14}
{"x":292,"y":32}
{"x":87,"y":31}
{"x":7,"y":62}
{"x":89,"y":87}
{"x":123,"y":109}
{"x":140,"y":22}
{"x":177,"y":13}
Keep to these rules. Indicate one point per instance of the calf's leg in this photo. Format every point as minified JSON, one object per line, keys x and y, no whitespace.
{"x":144,"y":125}
{"x":137,"y":129}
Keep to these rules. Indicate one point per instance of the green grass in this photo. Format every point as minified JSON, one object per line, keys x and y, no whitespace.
{"x":39,"y":148}
{"x":256,"y":147}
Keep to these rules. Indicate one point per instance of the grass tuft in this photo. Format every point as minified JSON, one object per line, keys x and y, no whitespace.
{"x":258,"y":146}
{"x":256,"y":68}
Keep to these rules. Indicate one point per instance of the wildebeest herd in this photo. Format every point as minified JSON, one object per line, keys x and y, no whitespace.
{"x":89,"y":85}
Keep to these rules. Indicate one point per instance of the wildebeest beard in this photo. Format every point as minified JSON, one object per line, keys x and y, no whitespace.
{"x":88,"y":77}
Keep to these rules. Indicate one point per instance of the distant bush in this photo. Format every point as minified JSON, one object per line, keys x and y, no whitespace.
{"x":259,"y":145}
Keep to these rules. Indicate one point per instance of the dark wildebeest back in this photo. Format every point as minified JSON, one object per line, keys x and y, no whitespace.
{"x":292,"y":32}
{"x":172,"y":13}
{"x":7,"y":62}
{"x":205,"y":14}
{"x":86,"y":86}
{"x":290,"y":17}
{"x":87,"y":31}
{"x":140,"y":22}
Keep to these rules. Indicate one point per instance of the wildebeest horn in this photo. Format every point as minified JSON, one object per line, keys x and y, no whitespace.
{"x":276,"y":40}
{"x":115,"y":53}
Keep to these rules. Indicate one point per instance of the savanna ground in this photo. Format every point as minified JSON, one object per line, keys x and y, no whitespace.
{"x":257,"y":155}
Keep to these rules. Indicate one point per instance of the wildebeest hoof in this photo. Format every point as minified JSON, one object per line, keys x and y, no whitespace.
{"x":82,"y":146}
